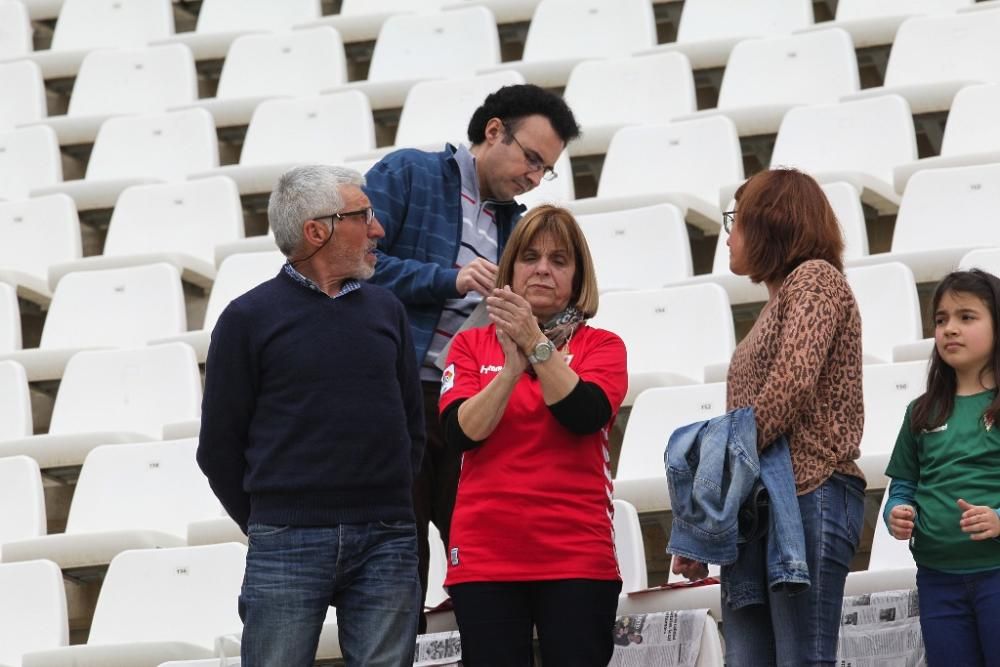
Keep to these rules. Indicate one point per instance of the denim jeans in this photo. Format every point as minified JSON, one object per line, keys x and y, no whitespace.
{"x":960,"y":617}
{"x":293,"y":574}
{"x":801,"y":629}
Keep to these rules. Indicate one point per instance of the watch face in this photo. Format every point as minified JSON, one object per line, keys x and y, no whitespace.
{"x":543,"y":351}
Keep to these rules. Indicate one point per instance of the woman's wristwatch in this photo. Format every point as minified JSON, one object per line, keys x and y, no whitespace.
{"x":543,"y":352}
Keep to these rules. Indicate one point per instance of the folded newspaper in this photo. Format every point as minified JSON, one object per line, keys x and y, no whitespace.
{"x":881,"y":630}
{"x":667,"y":639}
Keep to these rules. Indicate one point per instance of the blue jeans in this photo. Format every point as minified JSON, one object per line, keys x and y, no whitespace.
{"x":801,"y":629}
{"x":960,"y":617}
{"x":293,"y":575}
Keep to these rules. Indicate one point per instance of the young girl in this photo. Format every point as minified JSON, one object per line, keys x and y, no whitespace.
{"x":945,"y":472}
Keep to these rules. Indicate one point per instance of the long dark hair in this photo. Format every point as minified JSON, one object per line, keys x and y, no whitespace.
{"x":932,"y":409}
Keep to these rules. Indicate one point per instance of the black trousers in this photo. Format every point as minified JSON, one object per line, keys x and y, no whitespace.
{"x":434,"y":488}
{"x":574,"y":619}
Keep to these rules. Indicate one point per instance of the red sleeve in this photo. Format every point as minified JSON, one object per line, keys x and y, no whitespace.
{"x":461,"y":377}
{"x":603,"y":362}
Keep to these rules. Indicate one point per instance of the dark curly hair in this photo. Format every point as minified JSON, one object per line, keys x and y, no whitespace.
{"x":512,"y":103}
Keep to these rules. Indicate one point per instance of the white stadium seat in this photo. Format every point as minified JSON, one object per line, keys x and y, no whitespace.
{"x":600,"y":29}
{"x":933,"y":57}
{"x":657,"y":413}
{"x":158,"y":605}
{"x":657,"y":87}
{"x":146,"y":148}
{"x":890,"y":308}
{"x":34,"y":234}
{"x":114,"y":82}
{"x":972,"y":135}
{"x":639,"y":248}
{"x":417,"y":47}
{"x":684,"y":163}
{"x":15,"y":30}
{"x":258,"y":67}
{"x":22,"y":500}
{"x":23,"y":100}
{"x":131,"y":496}
{"x":115,"y":396}
{"x":29,"y":159}
{"x":860,"y":142}
{"x":10,"y":320}
{"x":85,"y":25}
{"x":361,"y":20}
{"x":177,"y":223}
{"x":110,"y":308}
{"x":661,"y":353}
{"x":709,"y":29}
{"x":876,"y":23}
{"x":629,"y":547}
{"x":810,"y":68}
{"x":284,"y":133}
{"x":33,"y":614}
{"x":220,"y":22}
{"x":15,"y":409}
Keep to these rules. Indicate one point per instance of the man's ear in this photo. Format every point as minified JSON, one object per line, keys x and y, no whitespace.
{"x":494,"y":130}
{"x":315,"y":232}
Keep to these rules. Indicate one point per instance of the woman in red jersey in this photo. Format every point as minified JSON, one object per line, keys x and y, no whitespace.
{"x":529,"y":399}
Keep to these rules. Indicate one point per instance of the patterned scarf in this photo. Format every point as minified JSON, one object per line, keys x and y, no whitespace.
{"x":563,"y":325}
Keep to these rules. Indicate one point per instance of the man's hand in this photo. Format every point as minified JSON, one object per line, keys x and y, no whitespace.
{"x":689,"y":568}
{"x":901,"y":521}
{"x":479,"y":275}
{"x":980,"y":521}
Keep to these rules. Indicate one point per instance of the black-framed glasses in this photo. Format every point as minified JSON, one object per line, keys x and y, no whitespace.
{"x":368,"y":212}
{"x":727,"y":220}
{"x":533,"y":160}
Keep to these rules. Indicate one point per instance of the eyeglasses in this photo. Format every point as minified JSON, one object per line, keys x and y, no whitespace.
{"x":368,"y":212}
{"x":727,"y":220}
{"x":532,"y":159}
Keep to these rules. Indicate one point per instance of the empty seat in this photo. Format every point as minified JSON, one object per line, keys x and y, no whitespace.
{"x":888,"y":389}
{"x":23,"y":100}
{"x":944,"y":214}
{"x":600,"y":29}
{"x":237,"y":274}
{"x":438,"y":111}
{"x":846,"y":205}
{"x":84,"y":25}
{"x":10,"y":320}
{"x":222,"y":21}
{"x":34,"y":234}
{"x":684,"y":164}
{"x":33,"y":613}
{"x":15,"y":409}
{"x":811,"y":68}
{"x":29,"y":159}
{"x":933,"y":57}
{"x":22,"y":500}
{"x":860,"y":142}
{"x":115,"y":396}
{"x":416,"y":47}
{"x":177,"y":223}
{"x":709,"y":29}
{"x":658,"y":87}
{"x":122,"y":81}
{"x":629,"y":547}
{"x":262,"y":66}
{"x":972,"y":135}
{"x":639,"y":248}
{"x":890,"y":308}
{"x":110,"y":308}
{"x":147,"y":148}
{"x":134,"y":496}
{"x":284,"y":133}
{"x":361,"y":20}
{"x":15,"y":30}
{"x":157,"y":605}
{"x":657,"y":413}
{"x":876,"y":23}
{"x":660,"y":353}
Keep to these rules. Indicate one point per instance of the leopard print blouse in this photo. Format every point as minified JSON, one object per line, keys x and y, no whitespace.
{"x":800,"y":369}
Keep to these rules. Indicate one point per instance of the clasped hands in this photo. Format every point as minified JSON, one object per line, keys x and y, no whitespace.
{"x":517,"y":328}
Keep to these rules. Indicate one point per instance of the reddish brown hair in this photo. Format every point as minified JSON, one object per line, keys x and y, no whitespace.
{"x":785,"y":220}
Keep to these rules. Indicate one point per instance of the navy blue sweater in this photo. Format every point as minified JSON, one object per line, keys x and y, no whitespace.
{"x":312,"y":413}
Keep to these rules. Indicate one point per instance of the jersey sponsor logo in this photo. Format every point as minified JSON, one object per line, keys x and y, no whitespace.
{"x":484,"y":369}
{"x":447,"y":378}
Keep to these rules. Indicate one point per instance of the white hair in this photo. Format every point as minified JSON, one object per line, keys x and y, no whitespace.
{"x":304,"y":193}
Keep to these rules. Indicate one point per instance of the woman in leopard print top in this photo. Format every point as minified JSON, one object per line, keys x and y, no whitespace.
{"x":800,"y":369}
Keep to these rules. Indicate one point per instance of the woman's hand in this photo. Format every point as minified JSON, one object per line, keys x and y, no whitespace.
{"x":689,"y":568}
{"x":980,"y":521}
{"x":512,"y":315}
{"x":901,"y":521}
{"x":514,"y":360}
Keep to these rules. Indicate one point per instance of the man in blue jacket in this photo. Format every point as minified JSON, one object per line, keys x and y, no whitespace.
{"x":447,"y":216}
{"x":312,"y":431}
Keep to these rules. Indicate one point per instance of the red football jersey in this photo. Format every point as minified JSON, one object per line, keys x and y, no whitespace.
{"x":534,"y":499}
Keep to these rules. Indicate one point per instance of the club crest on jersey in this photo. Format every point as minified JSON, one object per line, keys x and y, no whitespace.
{"x":448,"y":378}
